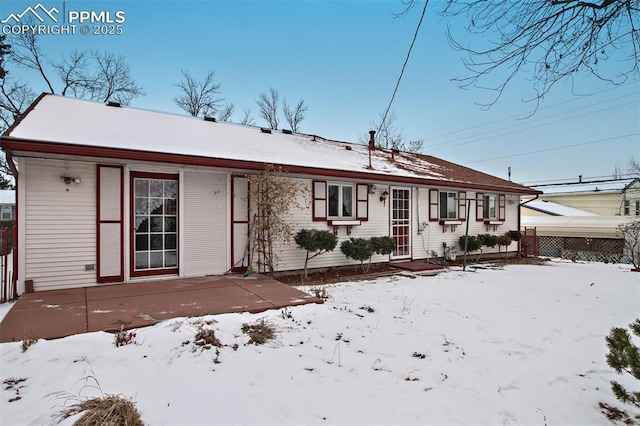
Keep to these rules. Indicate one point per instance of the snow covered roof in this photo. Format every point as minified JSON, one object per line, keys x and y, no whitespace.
{"x":555,"y":209}
{"x":575,"y":226}
{"x":602,"y":185}
{"x":7,"y":196}
{"x":56,"y":124}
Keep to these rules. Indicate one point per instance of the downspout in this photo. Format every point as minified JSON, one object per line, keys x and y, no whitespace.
{"x":14,"y":171}
{"x":520,"y":219}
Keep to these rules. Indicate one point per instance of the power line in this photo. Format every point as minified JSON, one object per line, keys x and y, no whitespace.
{"x":555,"y":148}
{"x":415,"y":35}
{"x":529,"y":128}
{"x":540,"y":109}
{"x":431,"y":147}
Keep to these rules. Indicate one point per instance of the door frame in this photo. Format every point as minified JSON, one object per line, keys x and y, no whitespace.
{"x":132,"y":217}
{"x":406,"y":225}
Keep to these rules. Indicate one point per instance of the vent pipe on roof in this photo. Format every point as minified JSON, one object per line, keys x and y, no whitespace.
{"x":287,"y":131}
{"x":265,"y":130}
{"x":114,"y":104}
{"x":394,"y":151}
{"x":208,"y":118}
{"x":580,"y":179}
{"x":372,"y":145}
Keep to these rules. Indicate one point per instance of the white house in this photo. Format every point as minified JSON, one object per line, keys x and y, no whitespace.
{"x":113,"y":195}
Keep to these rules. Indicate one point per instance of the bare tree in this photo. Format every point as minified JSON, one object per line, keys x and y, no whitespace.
{"x":99,"y":76}
{"x":226,"y":112}
{"x":550,"y":40}
{"x":198,"y":97}
{"x":269,"y":105}
{"x":248,"y":119}
{"x":112,"y":79}
{"x":389,"y":136}
{"x":633,"y":166}
{"x":294,"y":116}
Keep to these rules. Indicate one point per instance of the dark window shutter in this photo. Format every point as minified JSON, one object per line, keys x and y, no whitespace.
{"x":319,"y":200}
{"x":502,"y":207}
{"x":362,"y":201}
{"x":479,"y":206}
{"x":462,"y":205}
{"x":433,"y":205}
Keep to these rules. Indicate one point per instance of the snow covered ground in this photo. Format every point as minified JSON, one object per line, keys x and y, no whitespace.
{"x":520,"y":345}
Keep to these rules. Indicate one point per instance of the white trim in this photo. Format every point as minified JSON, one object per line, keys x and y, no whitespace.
{"x":22,"y":219}
{"x":345,"y":222}
{"x":181,"y":231}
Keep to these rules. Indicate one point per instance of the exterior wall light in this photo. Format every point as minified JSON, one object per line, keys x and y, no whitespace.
{"x":68,"y":179}
{"x":372,"y":188}
{"x":384,"y":197}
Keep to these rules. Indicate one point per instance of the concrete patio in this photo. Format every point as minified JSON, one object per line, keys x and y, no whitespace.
{"x":60,"y":313}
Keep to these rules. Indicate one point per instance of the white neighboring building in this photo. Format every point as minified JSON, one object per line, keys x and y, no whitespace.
{"x":115,"y":195}
{"x":7,"y":205}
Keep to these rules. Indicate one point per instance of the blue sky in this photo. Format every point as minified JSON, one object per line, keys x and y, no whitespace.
{"x":343,"y":58}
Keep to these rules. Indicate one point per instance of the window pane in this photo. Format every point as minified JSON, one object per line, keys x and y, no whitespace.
{"x":170,"y":189}
{"x":170,"y":241}
{"x":142,"y":242}
{"x":156,"y":241}
{"x":169,"y":224}
{"x":443,"y":205}
{"x":156,"y":188}
{"x":142,"y":188}
{"x":451,"y":205}
{"x":347,"y":201}
{"x":142,"y":206}
{"x":156,"y":259}
{"x":142,"y":260}
{"x":333,"y":200}
{"x":156,"y":205}
{"x":142,"y":224}
{"x":170,"y":207}
{"x":170,"y":259}
{"x":156,"y":224}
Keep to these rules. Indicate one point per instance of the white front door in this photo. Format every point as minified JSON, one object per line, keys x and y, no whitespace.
{"x":401,"y":222}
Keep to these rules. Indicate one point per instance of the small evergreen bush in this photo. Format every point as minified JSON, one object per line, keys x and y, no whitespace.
{"x":624,"y":357}
{"x":362,"y":249}
{"x":315,"y":241}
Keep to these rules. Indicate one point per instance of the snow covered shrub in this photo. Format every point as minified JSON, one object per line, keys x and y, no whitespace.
{"x":315,"y":241}
{"x":624,"y":357}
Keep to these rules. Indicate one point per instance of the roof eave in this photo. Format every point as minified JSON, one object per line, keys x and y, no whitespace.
{"x":18,"y":145}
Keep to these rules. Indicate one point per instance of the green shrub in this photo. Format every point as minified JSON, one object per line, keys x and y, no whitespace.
{"x":362,"y":249}
{"x":315,"y":241}
{"x":488,"y":240}
{"x":515,"y":235}
{"x":473,"y":243}
{"x":383,"y":245}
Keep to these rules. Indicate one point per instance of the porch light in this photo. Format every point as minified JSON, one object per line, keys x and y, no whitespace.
{"x":372,"y":188}
{"x":68,"y":179}
{"x":384,"y":197}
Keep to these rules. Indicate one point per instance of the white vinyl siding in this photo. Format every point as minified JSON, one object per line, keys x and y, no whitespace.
{"x":205,"y":223}
{"x":292,"y":258}
{"x":60,"y":224}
